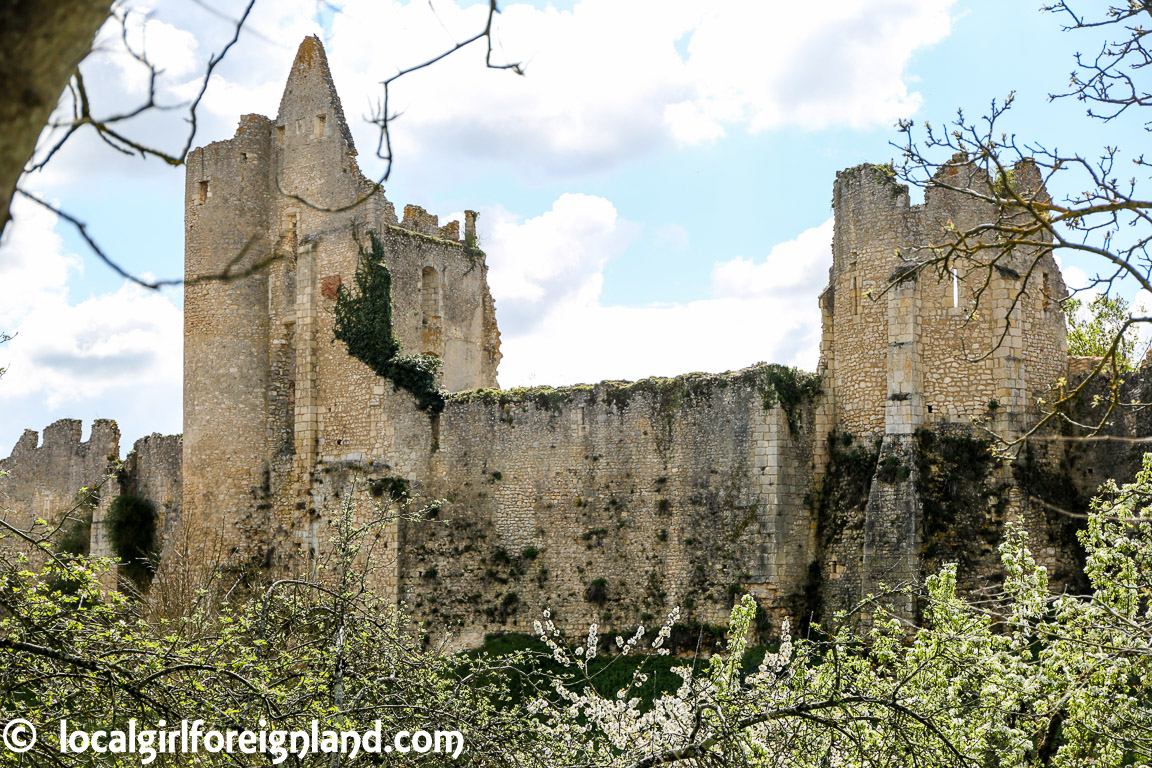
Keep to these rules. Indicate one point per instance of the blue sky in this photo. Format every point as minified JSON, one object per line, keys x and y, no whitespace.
{"x":654,"y":193}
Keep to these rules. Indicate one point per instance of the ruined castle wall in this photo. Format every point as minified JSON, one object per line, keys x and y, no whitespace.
{"x":44,"y":477}
{"x":979,"y":339}
{"x":269,"y":394}
{"x":612,"y":504}
{"x":995,"y":334}
{"x":956,"y":345}
{"x":442,"y":307}
{"x":153,"y":470}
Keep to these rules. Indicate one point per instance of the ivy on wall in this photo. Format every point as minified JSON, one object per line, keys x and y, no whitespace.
{"x":788,"y":387}
{"x":364,"y":324}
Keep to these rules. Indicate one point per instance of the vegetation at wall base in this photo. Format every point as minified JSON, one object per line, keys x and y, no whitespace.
{"x":1029,"y":679}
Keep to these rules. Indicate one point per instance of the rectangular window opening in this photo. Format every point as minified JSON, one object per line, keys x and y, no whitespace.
{"x":955,"y":288}
{"x":205,"y":192}
{"x":319,"y":128}
{"x":280,"y":135}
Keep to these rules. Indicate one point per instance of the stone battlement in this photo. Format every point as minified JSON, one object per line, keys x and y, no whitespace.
{"x":65,"y":434}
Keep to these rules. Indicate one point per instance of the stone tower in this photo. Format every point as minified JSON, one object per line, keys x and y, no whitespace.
{"x":904,"y":349}
{"x":902,"y":354}
{"x":272,"y":220}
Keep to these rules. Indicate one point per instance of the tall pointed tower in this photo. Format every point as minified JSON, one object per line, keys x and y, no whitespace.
{"x":271,"y":401}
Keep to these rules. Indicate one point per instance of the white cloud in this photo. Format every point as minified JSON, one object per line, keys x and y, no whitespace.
{"x":606,"y":81}
{"x":800,"y":264}
{"x":1074,"y":277}
{"x":34,"y":266}
{"x":561,"y":333}
{"x":179,"y":37}
{"x":774,"y":64}
{"x":80,"y":360}
{"x":551,"y":261}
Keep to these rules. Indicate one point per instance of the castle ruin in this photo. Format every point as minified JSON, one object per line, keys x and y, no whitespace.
{"x":607,"y":503}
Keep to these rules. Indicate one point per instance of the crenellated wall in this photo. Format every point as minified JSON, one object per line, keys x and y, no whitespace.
{"x":903,"y":347}
{"x":43,"y":479}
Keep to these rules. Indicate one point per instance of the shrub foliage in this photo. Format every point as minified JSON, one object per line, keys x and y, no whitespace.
{"x":131,"y":529}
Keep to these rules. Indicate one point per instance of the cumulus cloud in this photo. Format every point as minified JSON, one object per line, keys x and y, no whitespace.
{"x":773,"y":64}
{"x":561,"y":333}
{"x":107,"y":355}
{"x":607,"y":80}
{"x":797,"y":265}
{"x":550,"y":261}
{"x":34,"y":265}
{"x":179,"y":38}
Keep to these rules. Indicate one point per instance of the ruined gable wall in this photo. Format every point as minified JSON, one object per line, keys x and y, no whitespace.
{"x":672,"y":492}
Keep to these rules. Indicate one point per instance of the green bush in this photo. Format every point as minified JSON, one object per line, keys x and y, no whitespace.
{"x":597,"y":591}
{"x":131,"y":529}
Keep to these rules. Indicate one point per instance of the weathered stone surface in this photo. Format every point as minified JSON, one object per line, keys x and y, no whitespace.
{"x":606,"y":503}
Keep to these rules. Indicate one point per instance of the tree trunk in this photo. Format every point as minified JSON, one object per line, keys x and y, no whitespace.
{"x":41,"y":42}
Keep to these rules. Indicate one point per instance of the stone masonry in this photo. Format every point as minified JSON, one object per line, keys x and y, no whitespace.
{"x":607,"y":503}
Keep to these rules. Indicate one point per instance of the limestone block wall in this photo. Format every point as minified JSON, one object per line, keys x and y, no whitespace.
{"x":903,"y":347}
{"x":871,"y":224}
{"x":273,"y":220}
{"x":153,"y":470}
{"x":612,"y":504}
{"x":226,"y":324}
{"x":43,"y":476}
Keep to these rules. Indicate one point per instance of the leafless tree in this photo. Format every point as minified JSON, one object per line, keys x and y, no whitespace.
{"x":41,"y":48}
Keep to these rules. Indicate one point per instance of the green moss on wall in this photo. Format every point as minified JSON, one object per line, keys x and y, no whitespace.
{"x":544,"y":397}
{"x":963,"y":498}
{"x":790,"y":388}
{"x":1062,"y":505}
